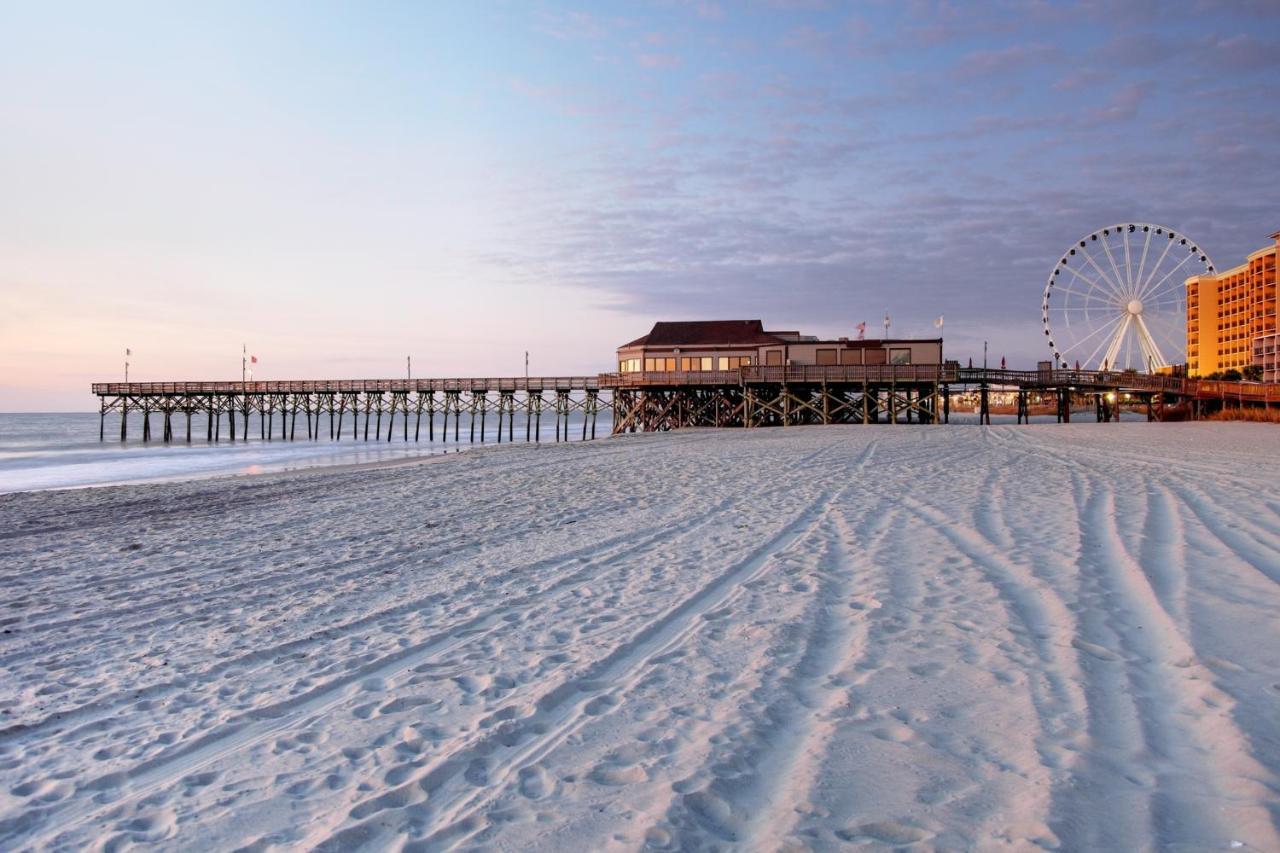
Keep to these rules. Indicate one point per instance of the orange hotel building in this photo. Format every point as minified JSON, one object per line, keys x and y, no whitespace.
{"x":1231,"y":317}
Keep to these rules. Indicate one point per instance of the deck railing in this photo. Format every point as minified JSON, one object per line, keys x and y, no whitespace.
{"x":879,"y":374}
{"x":353,"y":386}
{"x":791,"y":374}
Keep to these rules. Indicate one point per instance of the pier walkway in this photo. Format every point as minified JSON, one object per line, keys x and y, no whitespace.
{"x":754,"y":396}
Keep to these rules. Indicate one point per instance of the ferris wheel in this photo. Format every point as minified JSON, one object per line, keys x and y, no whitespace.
{"x":1116,"y":299}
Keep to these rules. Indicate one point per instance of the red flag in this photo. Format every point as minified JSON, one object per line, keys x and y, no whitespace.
{"x":253,"y":359}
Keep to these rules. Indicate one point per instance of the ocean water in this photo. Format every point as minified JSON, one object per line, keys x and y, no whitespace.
{"x":60,"y":451}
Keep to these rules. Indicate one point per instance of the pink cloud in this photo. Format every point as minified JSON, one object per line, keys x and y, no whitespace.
{"x":658,"y":60}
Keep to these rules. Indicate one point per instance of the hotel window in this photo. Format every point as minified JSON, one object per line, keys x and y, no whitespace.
{"x":899,"y":356}
{"x":826,"y":357}
{"x":649,"y":366}
{"x":706,"y":362}
{"x":688,"y":364}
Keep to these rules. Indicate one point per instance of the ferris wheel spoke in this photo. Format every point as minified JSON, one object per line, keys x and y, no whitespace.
{"x":1115,"y":288}
{"x":1092,"y":282}
{"x":1165,"y":289}
{"x":1088,"y":295}
{"x":1171,"y":300}
{"x":1093,"y":362}
{"x":1142,"y":264}
{"x":1172,"y":332}
{"x":1109,"y":359}
{"x":1101,"y":330}
{"x":1120,"y":279}
{"x":1148,"y":344}
{"x":1128,"y":262}
{"x":1142,"y":286}
{"x":1156,"y":287}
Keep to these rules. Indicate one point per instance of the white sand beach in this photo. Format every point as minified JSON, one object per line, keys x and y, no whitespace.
{"x":1059,"y":636}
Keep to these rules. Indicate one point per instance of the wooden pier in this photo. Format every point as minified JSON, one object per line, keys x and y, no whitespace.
{"x":748,"y":397}
{"x":356,"y":410}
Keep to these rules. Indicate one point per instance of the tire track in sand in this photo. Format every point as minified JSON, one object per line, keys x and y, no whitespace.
{"x":798,"y":726}
{"x":259,"y":724}
{"x":453,"y":807}
{"x":1189,"y":763}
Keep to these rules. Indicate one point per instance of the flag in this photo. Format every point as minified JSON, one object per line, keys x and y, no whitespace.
{"x":128,"y":351}
{"x":937,"y":324}
{"x":862,"y":330}
{"x":253,"y":359}
{"x":1002,"y":362}
{"x":886,"y":319}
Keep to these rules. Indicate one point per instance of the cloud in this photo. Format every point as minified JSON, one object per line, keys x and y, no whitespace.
{"x":573,"y":26}
{"x":1241,"y":52}
{"x":658,"y":60}
{"x":1082,"y":78}
{"x":1121,"y":107}
{"x":1004,"y":61}
{"x":809,"y":39}
{"x":1143,"y":49}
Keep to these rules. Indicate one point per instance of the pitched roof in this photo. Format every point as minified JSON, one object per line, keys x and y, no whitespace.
{"x":706,"y":333}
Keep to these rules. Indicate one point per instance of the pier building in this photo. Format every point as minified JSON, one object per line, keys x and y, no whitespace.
{"x":1231,"y":317}
{"x":720,"y":345}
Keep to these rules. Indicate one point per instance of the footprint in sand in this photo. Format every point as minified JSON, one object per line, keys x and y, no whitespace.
{"x":1096,"y":651}
{"x":534,"y":782}
{"x":615,"y":774}
{"x":884,"y":832}
{"x":927,"y":670}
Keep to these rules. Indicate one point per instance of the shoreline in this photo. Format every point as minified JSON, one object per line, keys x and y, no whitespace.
{"x":961,"y":420}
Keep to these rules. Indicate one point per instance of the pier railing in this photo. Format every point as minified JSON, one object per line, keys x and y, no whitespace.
{"x":792,"y":374}
{"x":754,"y":374}
{"x":751,"y":396}
{"x":353,"y":386}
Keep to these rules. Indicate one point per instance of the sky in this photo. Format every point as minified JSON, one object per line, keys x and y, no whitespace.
{"x":342,"y":186}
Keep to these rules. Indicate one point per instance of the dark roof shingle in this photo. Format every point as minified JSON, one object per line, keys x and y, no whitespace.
{"x":706,"y":333}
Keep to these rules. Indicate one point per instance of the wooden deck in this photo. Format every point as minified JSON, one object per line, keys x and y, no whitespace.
{"x":753,"y":396}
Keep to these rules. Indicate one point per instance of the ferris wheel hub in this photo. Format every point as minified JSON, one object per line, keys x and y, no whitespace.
{"x":1135,"y":307}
